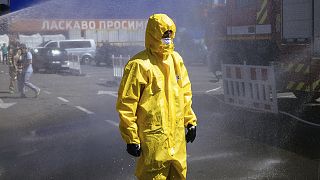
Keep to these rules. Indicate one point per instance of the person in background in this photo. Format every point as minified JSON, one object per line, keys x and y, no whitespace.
{"x":4,"y":50}
{"x":24,"y":79}
{"x":18,"y":59}
{"x":154,"y":105}
{"x":12,"y":62}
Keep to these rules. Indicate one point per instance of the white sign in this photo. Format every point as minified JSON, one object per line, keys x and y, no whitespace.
{"x":93,"y":24}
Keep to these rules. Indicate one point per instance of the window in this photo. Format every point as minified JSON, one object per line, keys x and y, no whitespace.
{"x":52,"y":45}
{"x":75,"y":44}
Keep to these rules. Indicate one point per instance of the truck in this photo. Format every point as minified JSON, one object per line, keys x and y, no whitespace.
{"x":4,"y":6}
{"x":284,"y":33}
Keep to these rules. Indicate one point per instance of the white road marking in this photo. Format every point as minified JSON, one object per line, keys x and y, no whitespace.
{"x":111,"y":93}
{"x":4,"y":105}
{"x":212,"y":156}
{"x":47,"y":92}
{"x":215,"y":89}
{"x":285,"y":95}
{"x":299,"y":119}
{"x":112,"y":123}
{"x":84,"y":110}
{"x":63,"y":99}
{"x":288,"y":96}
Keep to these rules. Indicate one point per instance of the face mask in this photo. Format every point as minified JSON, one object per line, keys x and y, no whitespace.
{"x":166,"y":41}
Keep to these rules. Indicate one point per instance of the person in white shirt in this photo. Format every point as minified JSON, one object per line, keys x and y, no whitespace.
{"x":27,"y":70}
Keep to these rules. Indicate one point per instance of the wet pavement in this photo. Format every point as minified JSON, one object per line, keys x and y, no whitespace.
{"x":50,"y":137}
{"x":236,"y":144}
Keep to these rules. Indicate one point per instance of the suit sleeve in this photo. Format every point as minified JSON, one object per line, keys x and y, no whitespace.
{"x":189,"y":115}
{"x":128,"y":99}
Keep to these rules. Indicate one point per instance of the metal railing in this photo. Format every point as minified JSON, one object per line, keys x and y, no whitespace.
{"x":250,"y":86}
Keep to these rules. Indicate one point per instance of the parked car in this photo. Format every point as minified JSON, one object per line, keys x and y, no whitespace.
{"x":105,"y":52}
{"x":84,"y":48}
{"x":103,"y":55}
{"x":50,"y":59}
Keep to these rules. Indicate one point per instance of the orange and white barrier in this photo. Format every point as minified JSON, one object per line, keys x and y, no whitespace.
{"x":250,"y":86}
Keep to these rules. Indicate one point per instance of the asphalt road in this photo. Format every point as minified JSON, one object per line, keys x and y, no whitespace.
{"x":70,"y":132}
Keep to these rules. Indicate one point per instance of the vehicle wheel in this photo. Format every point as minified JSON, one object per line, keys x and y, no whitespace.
{"x":307,"y":97}
{"x":86,"y":60}
{"x":35,"y":69}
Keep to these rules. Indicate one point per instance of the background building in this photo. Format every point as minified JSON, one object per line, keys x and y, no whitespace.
{"x":114,"y":21}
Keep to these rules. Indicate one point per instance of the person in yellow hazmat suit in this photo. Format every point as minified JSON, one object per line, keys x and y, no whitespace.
{"x":154,"y":105}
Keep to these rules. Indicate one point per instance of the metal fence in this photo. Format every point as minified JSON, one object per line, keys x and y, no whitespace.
{"x":250,"y":86}
{"x":73,"y":64}
{"x":118,"y":66}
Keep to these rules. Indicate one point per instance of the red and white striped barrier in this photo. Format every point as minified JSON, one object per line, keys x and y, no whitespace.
{"x":250,"y":86}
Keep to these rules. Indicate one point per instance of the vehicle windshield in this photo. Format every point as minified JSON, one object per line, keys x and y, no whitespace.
{"x":99,"y":89}
{"x":43,"y":43}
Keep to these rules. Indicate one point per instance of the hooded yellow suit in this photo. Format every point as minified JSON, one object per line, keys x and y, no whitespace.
{"x":154,"y":104}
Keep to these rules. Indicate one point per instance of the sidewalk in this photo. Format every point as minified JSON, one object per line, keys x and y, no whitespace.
{"x":4,"y":78}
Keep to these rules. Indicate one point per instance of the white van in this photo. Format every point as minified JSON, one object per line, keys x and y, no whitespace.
{"x":84,"y":48}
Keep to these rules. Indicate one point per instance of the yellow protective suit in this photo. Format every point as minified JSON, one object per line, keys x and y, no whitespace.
{"x":154,"y":104}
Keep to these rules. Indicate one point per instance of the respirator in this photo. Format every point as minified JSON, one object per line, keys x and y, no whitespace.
{"x":166,"y":41}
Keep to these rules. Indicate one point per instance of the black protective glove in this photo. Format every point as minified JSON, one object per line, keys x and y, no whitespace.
{"x":134,"y":149}
{"x":191,"y":134}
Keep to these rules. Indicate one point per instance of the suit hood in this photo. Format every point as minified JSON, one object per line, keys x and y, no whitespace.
{"x":157,"y":25}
